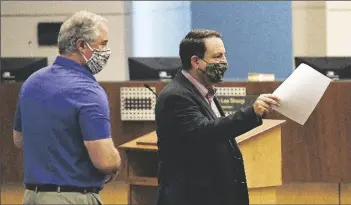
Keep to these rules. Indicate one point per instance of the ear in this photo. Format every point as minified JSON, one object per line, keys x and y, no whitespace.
{"x":80,"y":45}
{"x":194,"y":60}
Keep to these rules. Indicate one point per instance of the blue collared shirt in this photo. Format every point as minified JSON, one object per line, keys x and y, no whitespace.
{"x":60,"y":107}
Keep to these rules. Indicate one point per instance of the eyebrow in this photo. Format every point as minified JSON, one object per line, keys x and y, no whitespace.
{"x":219,"y":53}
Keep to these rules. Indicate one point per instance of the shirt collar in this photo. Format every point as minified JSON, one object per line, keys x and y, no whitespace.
{"x":70,"y":64}
{"x":205,"y":92}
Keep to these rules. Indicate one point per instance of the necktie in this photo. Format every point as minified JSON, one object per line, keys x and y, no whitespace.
{"x":210,"y":95}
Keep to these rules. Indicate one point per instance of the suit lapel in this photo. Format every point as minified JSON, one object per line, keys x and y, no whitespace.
{"x":209,"y":109}
{"x":219,"y":107}
{"x":232,"y":142}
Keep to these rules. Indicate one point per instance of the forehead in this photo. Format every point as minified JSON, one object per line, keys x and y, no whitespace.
{"x":103,"y":27}
{"x":102,"y":34}
{"x":214,"y":45}
{"x":103,"y":30}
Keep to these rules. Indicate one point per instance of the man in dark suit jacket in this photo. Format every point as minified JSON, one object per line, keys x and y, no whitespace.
{"x":199,"y":160}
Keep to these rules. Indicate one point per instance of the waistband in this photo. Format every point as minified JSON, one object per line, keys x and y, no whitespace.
{"x":61,"y":188}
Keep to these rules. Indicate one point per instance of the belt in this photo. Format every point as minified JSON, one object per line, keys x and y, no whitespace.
{"x":58,"y":189}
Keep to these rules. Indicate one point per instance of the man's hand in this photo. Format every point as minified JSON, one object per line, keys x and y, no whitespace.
{"x":264,"y":102}
{"x":17,"y":139}
{"x":109,"y":178}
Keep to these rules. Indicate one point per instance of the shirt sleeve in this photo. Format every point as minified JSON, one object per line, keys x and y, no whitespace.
{"x":17,"y":124}
{"x":94,"y":114}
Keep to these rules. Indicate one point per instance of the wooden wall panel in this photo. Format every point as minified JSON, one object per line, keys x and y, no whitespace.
{"x":11,"y":158}
{"x":319,"y":151}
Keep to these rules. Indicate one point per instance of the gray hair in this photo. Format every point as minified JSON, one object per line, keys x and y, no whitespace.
{"x":82,"y":25}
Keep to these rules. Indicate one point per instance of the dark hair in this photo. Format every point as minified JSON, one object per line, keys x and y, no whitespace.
{"x":194,"y":44}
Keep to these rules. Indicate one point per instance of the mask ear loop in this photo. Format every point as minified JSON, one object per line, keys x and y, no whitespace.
{"x":95,"y":64}
{"x":90,"y":60}
{"x":85,"y":58}
{"x":89,"y":46}
{"x":204,"y":61}
{"x":204,"y":72}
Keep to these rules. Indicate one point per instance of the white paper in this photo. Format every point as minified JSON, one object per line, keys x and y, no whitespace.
{"x":300,"y":93}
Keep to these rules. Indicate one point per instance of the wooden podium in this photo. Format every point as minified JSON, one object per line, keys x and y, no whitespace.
{"x":264,"y":157}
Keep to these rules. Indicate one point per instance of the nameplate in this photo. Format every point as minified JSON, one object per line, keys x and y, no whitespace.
{"x":231,"y":104}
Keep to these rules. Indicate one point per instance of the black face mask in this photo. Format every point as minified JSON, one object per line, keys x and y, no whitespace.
{"x":215,"y":71}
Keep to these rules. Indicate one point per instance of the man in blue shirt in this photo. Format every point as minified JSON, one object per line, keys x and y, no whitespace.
{"x":62,"y":120}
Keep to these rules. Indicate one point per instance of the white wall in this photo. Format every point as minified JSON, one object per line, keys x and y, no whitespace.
{"x":321,"y":28}
{"x":159,"y":26}
{"x":338,"y":28}
{"x":19,"y":21}
{"x":309,"y":28}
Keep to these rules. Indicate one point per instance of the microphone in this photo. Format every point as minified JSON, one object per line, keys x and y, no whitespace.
{"x":148,"y":87}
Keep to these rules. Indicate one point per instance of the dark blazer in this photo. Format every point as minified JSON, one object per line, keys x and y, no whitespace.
{"x":199,"y":160}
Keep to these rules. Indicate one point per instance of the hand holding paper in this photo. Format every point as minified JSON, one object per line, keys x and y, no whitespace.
{"x":300,"y":93}
{"x":263,"y":104}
